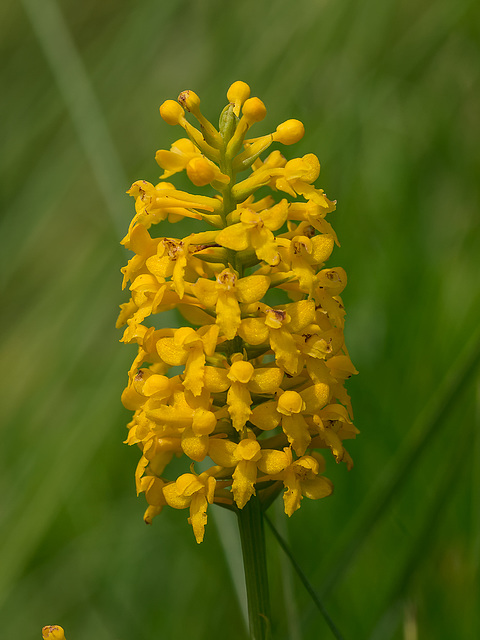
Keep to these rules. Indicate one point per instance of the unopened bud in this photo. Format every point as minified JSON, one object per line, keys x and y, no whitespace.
{"x":53,"y":632}
{"x":189,"y":100}
{"x":289,"y":132}
{"x":171,"y":112}
{"x":254,"y":110}
{"x":200,"y":171}
{"x":237,"y":94}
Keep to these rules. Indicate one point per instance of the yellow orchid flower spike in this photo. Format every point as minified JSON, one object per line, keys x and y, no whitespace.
{"x":247,"y":389}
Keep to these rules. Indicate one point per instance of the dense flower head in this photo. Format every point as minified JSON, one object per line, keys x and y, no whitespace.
{"x":252,"y":386}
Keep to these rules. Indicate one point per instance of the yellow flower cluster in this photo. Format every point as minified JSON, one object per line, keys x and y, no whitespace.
{"x":255,"y":384}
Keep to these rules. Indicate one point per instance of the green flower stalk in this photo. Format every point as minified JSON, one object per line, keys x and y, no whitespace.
{"x":258,"y":386}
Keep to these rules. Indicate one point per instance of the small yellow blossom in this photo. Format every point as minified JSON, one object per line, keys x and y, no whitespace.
{"x":53,"y":632}
{"x":300,"y":478}
{"x":226,"y":292}
{"x":195,"y":492}
{"x":177,"y":159}
{"x":255,"y":230}
{"x":252,"y":384}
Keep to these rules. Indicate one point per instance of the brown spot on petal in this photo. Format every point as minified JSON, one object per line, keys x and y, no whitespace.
{"x":195,"y":248}
{"x":333,"y":276}
{"x":172,"y":247}
{"x":279,"y":314}
{"x":182,"y":98}
{"x":227,"y":278}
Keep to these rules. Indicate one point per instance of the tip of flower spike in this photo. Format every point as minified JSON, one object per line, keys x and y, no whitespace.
{"x":237,"y":94}
{"x":189,"y":100}
{"x":53,"y":632}
{"x":171,"y":112}
{"x":289,"y":132}
{"x":254,"y":110}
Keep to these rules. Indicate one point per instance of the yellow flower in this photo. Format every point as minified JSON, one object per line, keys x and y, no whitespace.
{"x":254,"y":380}
{"x":224,"y":295}
{"x":53,"y":632}
{"x":177,"y":159}
{"x":300,"y":478}
{"x":195,"y":492}
{"x":281,"y":328}
{"x":246,"y":458}
{"x":144,"y":246}
{"x":189,"y":347}
{"x":156,"y":203}
{"x":255,"y":230}
{"x":240,"y":379}
{"x":288,"y":411}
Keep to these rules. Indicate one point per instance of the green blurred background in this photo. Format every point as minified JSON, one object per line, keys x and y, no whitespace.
{"x":389,"y":94}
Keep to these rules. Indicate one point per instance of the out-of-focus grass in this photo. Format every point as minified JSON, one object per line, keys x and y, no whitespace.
{"x":389,"y":95}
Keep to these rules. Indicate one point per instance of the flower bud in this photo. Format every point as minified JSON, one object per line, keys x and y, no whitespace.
{"x":201,"y":172}
{"x":171,"y":112}
{"x":53,"y":632}
{"x":254,"y":110}
{"x":189,"y":100}
{"x":289,"y":132}
{"x":237,"y":94}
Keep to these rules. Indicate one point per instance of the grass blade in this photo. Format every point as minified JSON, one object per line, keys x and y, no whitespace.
{"x":304,"y":580}
{"x":427,"y":425}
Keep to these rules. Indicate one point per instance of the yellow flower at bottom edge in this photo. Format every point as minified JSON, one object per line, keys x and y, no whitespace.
{"x":53,"y":632}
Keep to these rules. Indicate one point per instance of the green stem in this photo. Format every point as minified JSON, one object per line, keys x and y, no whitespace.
{"x":252,"y":535}
{"x":250,"y":518}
